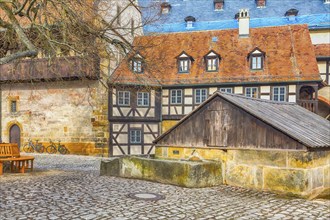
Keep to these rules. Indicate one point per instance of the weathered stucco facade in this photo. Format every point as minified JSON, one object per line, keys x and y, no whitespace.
{"x":74,"y":112}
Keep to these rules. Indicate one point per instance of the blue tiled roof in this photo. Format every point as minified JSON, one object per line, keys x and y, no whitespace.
{"x":312,"y":12}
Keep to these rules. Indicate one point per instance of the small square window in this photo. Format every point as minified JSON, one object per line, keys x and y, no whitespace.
{"x":176,"y":96}
{"x":279,"y":93}
{"x":123,"y":98}
{"x":143,"y":99}
{"x":135,"y":137}
{"x":227,"y":90}
{"x":13,"y":106}
{"x":251,"y":92}
{"x":200,"y":95}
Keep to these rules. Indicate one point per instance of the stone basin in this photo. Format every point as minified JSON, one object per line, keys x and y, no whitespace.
{"x":190,"y":174}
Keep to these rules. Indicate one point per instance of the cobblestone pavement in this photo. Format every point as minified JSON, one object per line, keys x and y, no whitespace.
{"x":69,"y":187}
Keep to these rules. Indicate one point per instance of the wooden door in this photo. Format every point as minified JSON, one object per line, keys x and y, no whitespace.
{"x":15,"y":135}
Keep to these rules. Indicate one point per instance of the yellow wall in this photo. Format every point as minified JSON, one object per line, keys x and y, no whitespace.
{"x":306,"y":174}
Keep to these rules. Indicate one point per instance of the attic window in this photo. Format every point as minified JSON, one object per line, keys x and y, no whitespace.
{"x":261,"y":3}
{"x":137,"y":64}
{"x":326,"y":1}
{"x":184,"y":62}
{"x":165,"y":8}
{"x":212,"y":61}
{"x":190,"y":20}
{"x":291,"y":12}
{"x":218,"y":5}
{"x":256,"y":59}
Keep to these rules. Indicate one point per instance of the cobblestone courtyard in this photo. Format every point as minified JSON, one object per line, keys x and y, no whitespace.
{"x":69,"y":187}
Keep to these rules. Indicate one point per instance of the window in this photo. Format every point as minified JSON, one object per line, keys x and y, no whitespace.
{"x":279,"y":93}
{"x":256,"y":62}
{"x":123,"y":98}
{"x":184,"y":66}
{"x":212,"y":61}
{"x":184,"y":62}
{"x":212,"y":64}
{"x":143,"y":99}
{"x":251,"y":92}
{"x":256,"y":58}
{"x":135,"y":137}
{"x":218,"y":5}
{"x":176,"y":96}
{"x":137,"y":66}
{"x":13,"y":106}
{"x":326,"y":1}
{"x":227,"y":90}
{"x":200,"y":95}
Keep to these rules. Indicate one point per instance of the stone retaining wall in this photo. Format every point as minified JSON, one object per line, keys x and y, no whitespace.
{"x":304,"y":174}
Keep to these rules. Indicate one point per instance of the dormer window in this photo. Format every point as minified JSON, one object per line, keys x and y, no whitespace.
{"x":190,"y":20}
{"x":326,"y":1}
{"x":212,"y":61}
{"x":218,"y":5}
{"x":137,"y":64}
{"x":165,"y":8}
{"x":184,"y":62}
{"x":261,"y":3}
{"x":291,"y":14}
{"x":256,"y":58}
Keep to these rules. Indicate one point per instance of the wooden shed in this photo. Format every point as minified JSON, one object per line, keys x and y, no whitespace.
{"x":261,"y":144}
{"x":229,"y":121}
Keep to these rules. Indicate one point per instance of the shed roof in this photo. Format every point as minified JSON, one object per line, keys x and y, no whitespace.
{"x":308,"y":128}
{"x":288,"y":50}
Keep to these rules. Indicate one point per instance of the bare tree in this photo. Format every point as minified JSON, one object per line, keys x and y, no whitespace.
{"x":60,"y":27}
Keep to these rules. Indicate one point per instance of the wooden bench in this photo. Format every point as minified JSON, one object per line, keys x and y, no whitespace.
{"x":10,"y":153}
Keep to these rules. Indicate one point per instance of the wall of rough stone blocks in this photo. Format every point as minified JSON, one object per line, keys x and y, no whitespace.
{"x":299,"y":173}
{"x":74,"y":112}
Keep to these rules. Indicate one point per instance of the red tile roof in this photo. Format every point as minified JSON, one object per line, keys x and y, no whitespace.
{"x":288,"y":49}
{"x":322,"y":50}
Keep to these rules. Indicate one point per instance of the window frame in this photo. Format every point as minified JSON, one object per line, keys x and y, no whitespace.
{"x":201,"y":95}
{"x":124,"y":98}
{"x":255,"y":57}
{"x":133,"y":139}
{"x":226,"y":88}
{"x":11,"y":106}
{"x":137,"y":66}
{"x":142,"y":99}
{"x":251,"y":87}
{"x":181,"y":60}
{"x":209,"y":58}
{"x":279,"y":94}
{"x":176,"y":97}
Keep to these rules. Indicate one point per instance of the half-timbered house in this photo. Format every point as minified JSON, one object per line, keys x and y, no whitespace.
{"x":272,"y":63}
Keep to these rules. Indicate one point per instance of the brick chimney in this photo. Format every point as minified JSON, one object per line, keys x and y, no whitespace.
{"x":244,"y":23}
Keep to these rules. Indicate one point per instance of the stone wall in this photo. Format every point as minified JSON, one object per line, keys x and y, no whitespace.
{"x":74,"y":112}
{"x":304,"y":174}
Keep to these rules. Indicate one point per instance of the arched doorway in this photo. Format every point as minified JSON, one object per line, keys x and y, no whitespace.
{"x":15,"y":135}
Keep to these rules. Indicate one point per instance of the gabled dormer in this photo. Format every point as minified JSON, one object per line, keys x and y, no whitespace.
{"x":218,"y":5}
{"x":212,"y":60}
{"x":256,"y":59}
{"x":137,"y":63}
{"x":261,"y":3}
{"x":184,"y":62}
